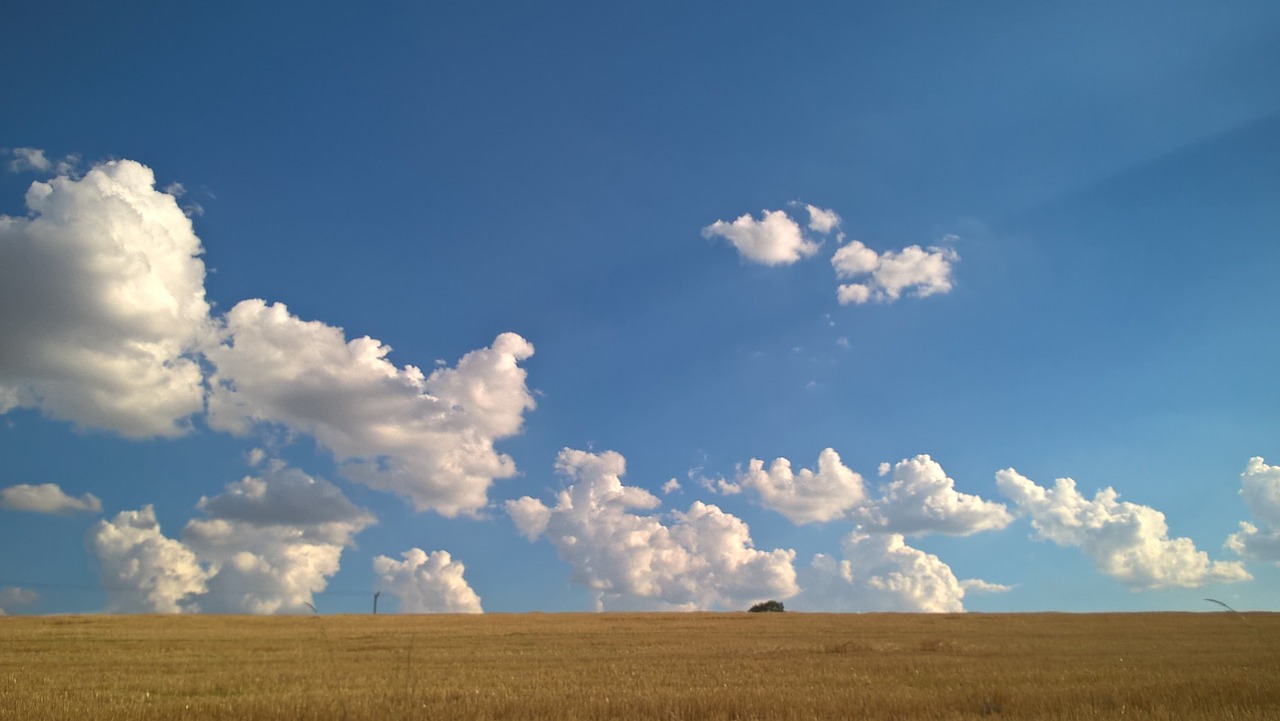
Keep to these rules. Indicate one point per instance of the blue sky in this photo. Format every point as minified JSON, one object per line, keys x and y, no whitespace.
{"x":970,"y":249}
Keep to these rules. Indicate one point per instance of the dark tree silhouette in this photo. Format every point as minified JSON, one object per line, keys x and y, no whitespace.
{"x":767,"y":607}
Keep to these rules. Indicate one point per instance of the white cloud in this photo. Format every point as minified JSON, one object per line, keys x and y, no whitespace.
{"x":255,"y":457}
{"x":880,"y":572}
{"x":855,"y":293}
{"x":429,"y":439}
{"x":715,"y":485}
{"x":1256,"y":543}
{"x":427,"y":582}
{"x":267,"y":545}
{"x":671,"y":486}
{"x":143,"y":570}
{"x":703,"y":558}
{"x":977,"y":585}
{"x":108,"y":320}
{"x":806,"y":497}
{"x":823,"y":221}
{"x":34,"y":160}
{"x":1125,"y":541}
{"x":13,"y":596}
{"x":46,"y":498}
{"x":104,"y":298}
{"x":286,"y":496}
{"x":775,"y":239}
{"x":25,"y":159}
{"x":914,"y":269}
{"x":272,"y":541}
{"x":530,"y":515}
{"x":1260,"y":489}
{"x":919,"y":498}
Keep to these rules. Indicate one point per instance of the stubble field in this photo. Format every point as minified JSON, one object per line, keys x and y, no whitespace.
{"x":653,"y":666}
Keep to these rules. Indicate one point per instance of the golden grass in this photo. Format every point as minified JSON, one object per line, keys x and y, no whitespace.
{"x":653,"y":666}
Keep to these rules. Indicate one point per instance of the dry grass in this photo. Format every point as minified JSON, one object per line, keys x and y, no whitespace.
{"x":654,"y":666}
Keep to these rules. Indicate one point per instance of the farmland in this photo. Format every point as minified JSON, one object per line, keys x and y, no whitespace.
{"x":659,"y":666}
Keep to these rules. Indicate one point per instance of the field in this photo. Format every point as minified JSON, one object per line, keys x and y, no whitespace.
{"x":652,"y":666}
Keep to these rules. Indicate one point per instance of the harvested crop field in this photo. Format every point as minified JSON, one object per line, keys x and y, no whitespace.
{"x":653,"y":666}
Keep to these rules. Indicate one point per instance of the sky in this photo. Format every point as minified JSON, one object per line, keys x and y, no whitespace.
{"x":513,"y":307}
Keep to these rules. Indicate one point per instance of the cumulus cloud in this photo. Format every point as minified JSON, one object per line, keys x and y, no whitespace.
{"x":530,"y":515}
{"x":880,"y":572}
{"x":46,"y":498}
{"x":143,"y":570}
{"x":25,"y":159}
{"x":266,"y":545}
{"x":104,"y":296}
{"x":915,"y":270}
{"x":1260,"y":489}
{"x":427,"y":582}
{"x":429,"y":439}
{"x":13,"y":597}
{"x":701,"y":558}
{"x":1126,"y":541}
{"x":34,"y":160}
{"x":775,"y":239}
{"x":919,"y":498}
{"x":272,"y":541}
{"x":823,"y":221}
{"x":806,"y":497}
{"x":286,"y":496}
{"x":108,"y":321}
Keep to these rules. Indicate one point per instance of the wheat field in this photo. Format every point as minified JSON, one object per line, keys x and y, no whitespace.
{"x":643,"y":666}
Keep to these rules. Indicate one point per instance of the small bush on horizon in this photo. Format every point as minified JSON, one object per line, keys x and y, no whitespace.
{"x":767,"y":607}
